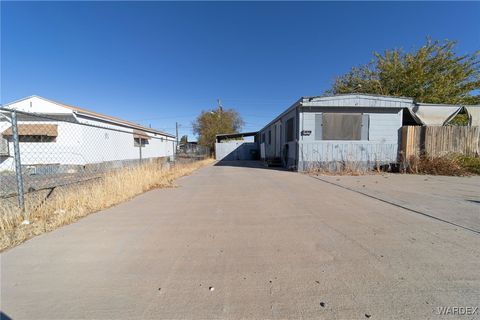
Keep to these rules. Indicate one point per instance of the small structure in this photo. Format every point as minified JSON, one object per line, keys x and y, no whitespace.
{"x":53,"y":133}
{"x":232,"y":146}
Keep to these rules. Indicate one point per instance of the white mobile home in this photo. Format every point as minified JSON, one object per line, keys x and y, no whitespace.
{"x":53,"y":133}
{"x":357,"y":128}
{"x":360,"y":130}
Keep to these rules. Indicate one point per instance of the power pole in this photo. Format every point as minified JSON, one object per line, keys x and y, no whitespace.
{"x":176,"y":134}
{"x":220,"y":107}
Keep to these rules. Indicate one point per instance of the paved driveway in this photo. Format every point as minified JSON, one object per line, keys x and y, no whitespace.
{"x":455,"y":200}
{"x":245,"y":242}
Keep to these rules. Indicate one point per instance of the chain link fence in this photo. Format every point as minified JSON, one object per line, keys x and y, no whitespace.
{"x":193,"y":151}
{"x":41,"y":152}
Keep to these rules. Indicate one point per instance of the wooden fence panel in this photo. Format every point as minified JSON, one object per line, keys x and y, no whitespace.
{"x":439,"y":141}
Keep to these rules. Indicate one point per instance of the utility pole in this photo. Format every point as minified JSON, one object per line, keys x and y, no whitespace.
{"x":140,"y":149}
{"x":176,"y":134}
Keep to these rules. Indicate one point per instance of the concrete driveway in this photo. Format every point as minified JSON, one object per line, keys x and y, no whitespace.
{"x":237,"y":242}
{"x":455,"y":200}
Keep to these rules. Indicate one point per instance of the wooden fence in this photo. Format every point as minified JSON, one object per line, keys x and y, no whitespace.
{"x":438,"y":141}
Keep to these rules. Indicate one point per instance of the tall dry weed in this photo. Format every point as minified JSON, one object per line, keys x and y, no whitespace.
{"x":345,"y":168}
{"x":448,"y":165}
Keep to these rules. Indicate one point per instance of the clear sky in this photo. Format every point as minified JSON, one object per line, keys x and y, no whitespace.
{"x":160,"y":62}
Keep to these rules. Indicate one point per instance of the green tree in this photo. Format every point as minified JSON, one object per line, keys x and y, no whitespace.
{"x":432,"y":74}
{"x":210,"y":123}
{"x":184,"y":140}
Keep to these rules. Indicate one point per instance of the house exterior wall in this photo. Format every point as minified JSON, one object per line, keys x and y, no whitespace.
{"x":277,"y":148}
{"x":381,"y":120}
{"x":38,"y":105}
{"x":380,"y":146}
{"x":119,"y":145}
{"x":87,"y":141}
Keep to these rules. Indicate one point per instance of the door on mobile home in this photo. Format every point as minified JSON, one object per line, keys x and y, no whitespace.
{"x":278,"y":133}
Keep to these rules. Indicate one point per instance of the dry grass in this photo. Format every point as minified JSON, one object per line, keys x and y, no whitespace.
{"x":449,"y":165}
{"x":68,"y":204}
{"x":341,"y":168}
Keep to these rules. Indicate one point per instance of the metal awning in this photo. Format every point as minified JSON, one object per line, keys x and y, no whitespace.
{"x":474,"y":115}
{"x":226,"y":136}
{"x":140,"y":134}
{"x":48,"y":130}
{"x":435,"y":115}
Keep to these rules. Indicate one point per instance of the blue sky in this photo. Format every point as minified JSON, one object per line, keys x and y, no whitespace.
{"x":161,"y":62}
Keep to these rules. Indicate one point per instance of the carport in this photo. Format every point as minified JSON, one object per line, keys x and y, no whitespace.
{"x":232,"y":146}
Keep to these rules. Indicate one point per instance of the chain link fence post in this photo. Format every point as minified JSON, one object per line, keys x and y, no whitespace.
{"x":140,"y":150}
{"x":18,"y":163}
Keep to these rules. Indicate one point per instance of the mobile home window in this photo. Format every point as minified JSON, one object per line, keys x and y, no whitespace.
{"x":344,"y":126}
{"x":289,"y":130}
{"x":36,"y":138}
{"x":137,"y":142}
{"x":269,"y":136}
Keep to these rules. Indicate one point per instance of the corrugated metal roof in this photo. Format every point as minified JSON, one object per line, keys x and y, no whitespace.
{"x":339,"y":96}
{"x":358,"y":100}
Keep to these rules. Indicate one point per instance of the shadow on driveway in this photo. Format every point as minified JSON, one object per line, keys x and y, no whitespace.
{"x":255,"y":164}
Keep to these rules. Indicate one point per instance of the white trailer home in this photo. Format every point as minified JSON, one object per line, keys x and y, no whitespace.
{"x":57,"y":134}
{"x":344,"y":128}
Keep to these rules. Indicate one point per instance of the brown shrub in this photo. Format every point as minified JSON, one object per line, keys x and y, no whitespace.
{"x":448,"y":165}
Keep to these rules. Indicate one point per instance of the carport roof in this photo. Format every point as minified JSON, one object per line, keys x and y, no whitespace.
{"x":223,"y":136}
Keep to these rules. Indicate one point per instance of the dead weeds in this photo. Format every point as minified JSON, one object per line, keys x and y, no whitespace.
{"x":68,"y":204}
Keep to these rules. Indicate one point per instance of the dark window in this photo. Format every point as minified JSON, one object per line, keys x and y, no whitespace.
{"x":343,"y":126}
{"x":138,"y":142}
{"x":36,"y":138}
{"x":263,"y":137}
{"x":289,"y":130}
{"x":269,"y":136}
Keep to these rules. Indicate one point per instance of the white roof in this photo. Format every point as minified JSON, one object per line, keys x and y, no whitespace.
{"x":37,"y":104}
{"x":358,"y":100}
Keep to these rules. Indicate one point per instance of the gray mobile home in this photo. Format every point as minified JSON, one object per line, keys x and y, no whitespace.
{"x":344,"y":128}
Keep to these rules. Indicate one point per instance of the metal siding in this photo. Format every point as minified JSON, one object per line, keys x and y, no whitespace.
{"x":382,"y":146}
{"x":234,"y":150}
{"x":384,"y":127}
{"x":383,"y":124}
{"x":365,"y":126}
{"x":362,"y":152}
{"x":318,"y":126}
{"x":270,"y":148}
